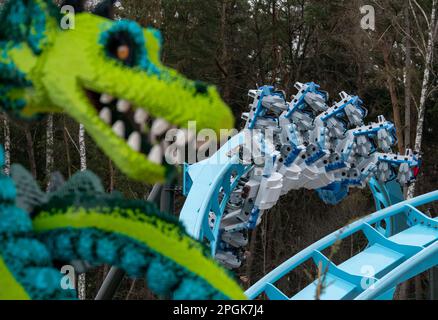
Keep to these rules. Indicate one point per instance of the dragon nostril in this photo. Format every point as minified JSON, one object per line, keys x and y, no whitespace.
{"x":201,"y":88}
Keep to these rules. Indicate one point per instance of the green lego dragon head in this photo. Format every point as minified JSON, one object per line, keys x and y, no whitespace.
{"x":105,"y":74}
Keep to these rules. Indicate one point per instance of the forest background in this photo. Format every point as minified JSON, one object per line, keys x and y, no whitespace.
{"x":242,"y":44}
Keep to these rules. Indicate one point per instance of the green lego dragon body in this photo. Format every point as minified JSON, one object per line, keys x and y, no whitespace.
{"x":106,"y":75}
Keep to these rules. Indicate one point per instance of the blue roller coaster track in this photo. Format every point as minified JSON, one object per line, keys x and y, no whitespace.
{"x":393,"y":259}
{"x":208,"y":185}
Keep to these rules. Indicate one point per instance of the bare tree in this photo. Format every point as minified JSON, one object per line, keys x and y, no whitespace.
{"x":7,"y":144}
{"x":30,"y":151}
{"x":82,"y":292}
{"x":67,"y":148}
{"x":425,"y":87}
{"x":408,"y":77}
{"x":49,"y":148}
{"x":386,"y":47}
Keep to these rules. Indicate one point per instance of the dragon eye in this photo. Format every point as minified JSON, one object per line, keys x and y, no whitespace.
{"x":125,"y":42}
{"x":123,"y":52}
{"x":121,"y":46}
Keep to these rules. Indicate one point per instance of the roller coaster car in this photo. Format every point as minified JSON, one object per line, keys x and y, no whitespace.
{"x":305,"y":143}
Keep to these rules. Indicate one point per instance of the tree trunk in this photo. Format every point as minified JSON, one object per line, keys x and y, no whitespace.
{"x":82,"y":288}
{"x":424,"y":88}
{"x":82,"y":148}
{"x":49,"y":149}
{"x":275,"y":50}
{"x":250,"y":259}
{"x":105,"y":269}
{"x":7,"y":144}
{"x":422,"y":111}
{"x":67,"y":148}
{"x":223,"y":62}
{"x":258,"y":30}
{"x":277,"y":68}
{"x":408,"y":65}
{"x":402,"y":292}
{"x":158,"y":15}
{"x":30,"y":151}
{"x":386,"y":49}
{"x":418,"y":287}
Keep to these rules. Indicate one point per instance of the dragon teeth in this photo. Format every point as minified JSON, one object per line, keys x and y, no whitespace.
{"x":134,"y":141}
{"x":140,"y":116}
{"x":159,"y":127}
{"x":156,"y":154}
{"x":105,"y":115}
{"x":123,"y":106}
{"x":119,"y":128}
{"x":106,"y":98}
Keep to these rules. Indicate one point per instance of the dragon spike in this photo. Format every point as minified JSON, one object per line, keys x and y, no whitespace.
{"x":105,"y":9}
{"x":78,"y":5}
